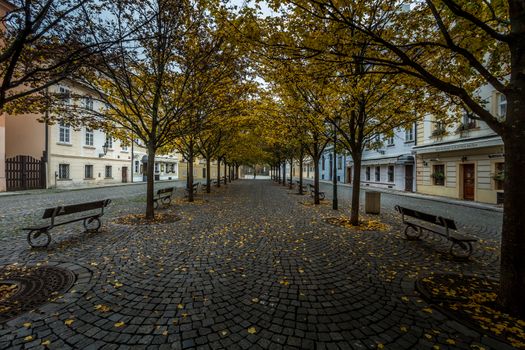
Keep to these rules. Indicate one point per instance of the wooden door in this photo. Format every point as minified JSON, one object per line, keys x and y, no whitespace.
{"x":124,"y":174}
{"x":349,"y":174}
{"x":469,"y":182}
{"x":409,"y":178}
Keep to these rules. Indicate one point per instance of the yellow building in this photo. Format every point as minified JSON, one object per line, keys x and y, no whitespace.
{"x":464,"y":160}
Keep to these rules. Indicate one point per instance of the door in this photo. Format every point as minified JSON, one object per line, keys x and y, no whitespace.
{"x":124,"y":174}
{"x":25,"y":173}
{"x":349,"y":174}
{"x":409,"y":178}
{"x":469,"y":181}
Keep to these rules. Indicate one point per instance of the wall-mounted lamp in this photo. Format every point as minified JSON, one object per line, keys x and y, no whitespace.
{"x":105,"y":148}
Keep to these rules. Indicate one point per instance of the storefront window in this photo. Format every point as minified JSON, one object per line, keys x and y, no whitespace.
{"x":499,"y":175}
{"x":438,"y":174}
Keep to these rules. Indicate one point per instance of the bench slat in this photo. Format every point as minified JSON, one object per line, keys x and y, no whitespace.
{"x":75,"y":208}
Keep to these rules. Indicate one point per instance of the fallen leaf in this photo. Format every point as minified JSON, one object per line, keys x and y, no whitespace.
{"x":28,"y":324}
{"x":252,"y":330}
{"x":119,"y":324}
{"x":28,"y":338}
{"x":46,"y":342}
{"x":69,"y":322}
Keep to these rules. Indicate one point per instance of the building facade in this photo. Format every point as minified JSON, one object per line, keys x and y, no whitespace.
{"x":464,"y":160}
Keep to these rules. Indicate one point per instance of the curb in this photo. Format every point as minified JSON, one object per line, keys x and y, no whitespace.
{"x":474,"y":205}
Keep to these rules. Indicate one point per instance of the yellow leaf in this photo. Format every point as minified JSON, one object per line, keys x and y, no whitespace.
{"x":46,"y":342}
{"x":28,"y":338}
{"x":405,"y":299}
{"x":427,"y":310}
{"x":28,"y":324}
{"x":118,"y":284}
{"x":180,"y":306}
{"x":119,"y":324}
{"x":450,"y":341}
{"x":102,"y":308}
{"x":380,"y":346}
{"x":252,"y":330}
{"x":165,"y":333}
{"x":403,"y":329}
{"x":69,"y":322}
{"x":255,"y":300}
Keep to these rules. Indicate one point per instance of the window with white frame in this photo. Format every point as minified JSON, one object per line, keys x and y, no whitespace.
{"x":123,"y":146}
{"x":390,"y":140}
{"x":88,"y":103}
{"x":339,"y":163}
{"x":137,"y":164}
{"x":63,"y":171}
{"x":65,"y":95}
{"x":390,"y":173}
{"x":409,"y":134}
{"x":109,"y":142}
{"x":378,"y":173}
{"x":64,"y":132}
{"x":467,"y":121}
{"x":108,"y":171}
{"x":367,"y":173}
{"x":502,"y":105}
{"x":89,"y":137}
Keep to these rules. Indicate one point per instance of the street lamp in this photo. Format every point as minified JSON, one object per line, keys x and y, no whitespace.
{"x":334,"y":171}
{"x":105,"y":148}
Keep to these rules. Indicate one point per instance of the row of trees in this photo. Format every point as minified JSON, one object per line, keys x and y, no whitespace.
{"x":363,"y":68}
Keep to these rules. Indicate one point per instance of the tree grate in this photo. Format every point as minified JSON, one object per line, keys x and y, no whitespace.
{"x":35,"y":286}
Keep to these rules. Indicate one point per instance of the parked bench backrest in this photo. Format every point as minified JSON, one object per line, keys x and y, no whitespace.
{"x":165,"y":190}
{"x":433,"y":219}
{"x":75,"y":208}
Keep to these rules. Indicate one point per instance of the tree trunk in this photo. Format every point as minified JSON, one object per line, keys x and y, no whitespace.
{"x":291,"y":174}
{"x":150,"y":173}
{"x":225,"y":180}
{"x":279,"y":173}
{"x":230,"y":173}
{"x":512,"y":263}
{"x":237,"y":172}
{"x":208,"y":174}
{"x":301,"y":156}
{"x":190,"y":176}
{"x":356,"y":188}
{"x":335,"y":204}
{"x":316,"y":180}
{"x":218,"y":172}
{"x":284,"y":173}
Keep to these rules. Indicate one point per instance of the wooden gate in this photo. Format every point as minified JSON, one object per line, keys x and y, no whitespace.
{"x":25,"y":173}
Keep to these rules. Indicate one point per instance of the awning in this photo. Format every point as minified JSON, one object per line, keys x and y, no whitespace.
{"x":405,"y":159}
{"x":145,"y":159}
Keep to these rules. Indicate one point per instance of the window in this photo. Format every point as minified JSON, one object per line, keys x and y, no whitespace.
{"x":409,"y":134}
{"x":340,"y":163}
{"x":63,"y":171}
{"x":157,"y":167}
{"x":438,"y":174}
{"x":109,"y":142}
{"x":65,"y":94}
{"x":367,"y":173}
{"x":390,"y":141}
{"x":89,"y":137}
{"x":109,"y":171}
{"x":378,"y":173}
{"x":88,"y":103}
{"x":390,"y":173}
{"x":88,"y":171}
{"x":137,"y":164}
{"x":322,"y":163}
{"x":64,"y":133}
{"x":502,"y":105}
{"x":499,"y":176}
{"x":467,"y":122}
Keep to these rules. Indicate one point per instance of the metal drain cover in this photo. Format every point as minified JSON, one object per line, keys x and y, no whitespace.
{"x":36,"y":286}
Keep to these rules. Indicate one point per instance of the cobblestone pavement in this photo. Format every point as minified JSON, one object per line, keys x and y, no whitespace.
{"x":485,"y":224}
{"x":248,"y":267}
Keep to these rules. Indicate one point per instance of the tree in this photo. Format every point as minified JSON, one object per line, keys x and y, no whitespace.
{"x":42,"y":43}
{"x":144,"y":80}
{"x":457,"y":47}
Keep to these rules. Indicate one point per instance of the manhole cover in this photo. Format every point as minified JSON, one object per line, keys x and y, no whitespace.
{"x":34,"y":286}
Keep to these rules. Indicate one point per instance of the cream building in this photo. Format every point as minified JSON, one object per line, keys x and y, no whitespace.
{"x":464,"y":160}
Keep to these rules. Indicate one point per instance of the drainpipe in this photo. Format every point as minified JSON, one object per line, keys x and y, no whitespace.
{"x":46,"y":143}
{"x":132,"y":169}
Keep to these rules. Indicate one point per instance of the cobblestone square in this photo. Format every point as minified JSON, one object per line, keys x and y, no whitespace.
{"x":248,"y":267}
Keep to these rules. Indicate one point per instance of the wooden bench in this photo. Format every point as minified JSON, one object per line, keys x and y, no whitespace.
{"x":38,"y":236}
{"x":311,"y":189}
{"x":195,"y":188}
{"x":164,"y":196}
{"x":304,"y":186}
{"x":461,"y":243}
